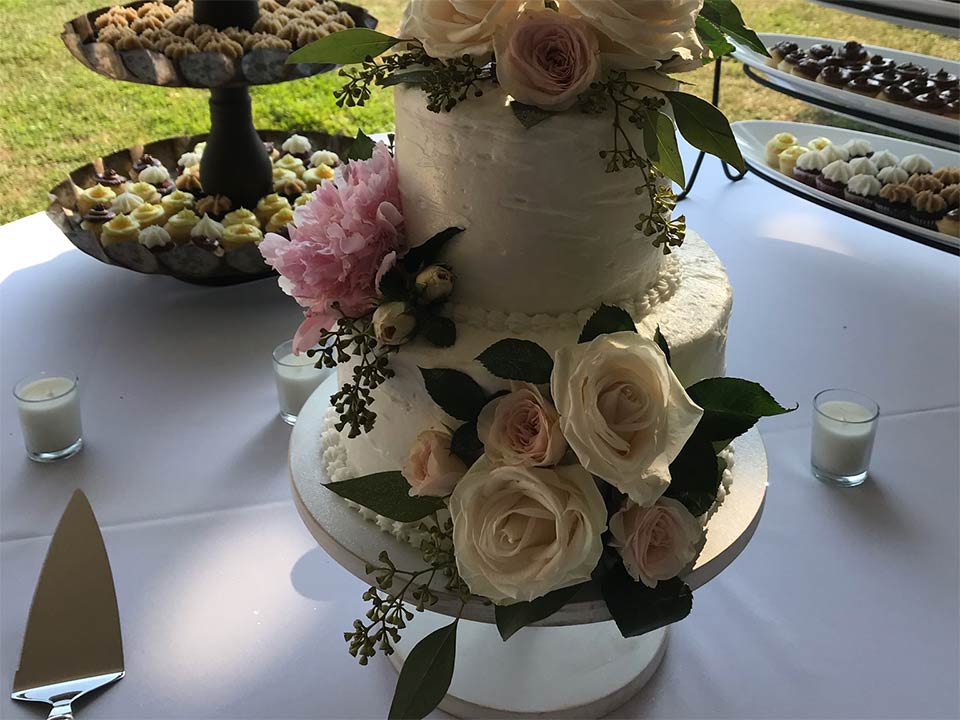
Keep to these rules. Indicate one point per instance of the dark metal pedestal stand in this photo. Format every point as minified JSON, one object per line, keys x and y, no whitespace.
{"x":731,"y":175}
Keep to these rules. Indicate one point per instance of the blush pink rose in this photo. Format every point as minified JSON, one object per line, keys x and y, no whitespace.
{"x":656,"y":542}
{"x":522,"y":428}
{"x":547,"y":59}
{"x":432,"y":469}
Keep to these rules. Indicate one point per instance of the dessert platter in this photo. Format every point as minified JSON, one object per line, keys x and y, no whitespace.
{"x":916,"y":95}
{"x":940,"y":16}
{"x":907,"y":188}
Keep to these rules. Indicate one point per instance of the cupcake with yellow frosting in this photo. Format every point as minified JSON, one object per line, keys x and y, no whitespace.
{"x":176,"y":201}
{"x":281,"y":174}
{"x":302,"y":199}
{"x":279,"y":221}
{"x":147,"y":215}
{"x":122,"y":228}
{"x":146,"y":192}
{"x":291,"y":163}
{"x":819,"y":143}
{"x":236,"y":236}
{"x":269,"y":206}
{"x":240,"y":217}
{"x":316,"y":175}
{"x":180,"y":225}
{"x":96,"y":195}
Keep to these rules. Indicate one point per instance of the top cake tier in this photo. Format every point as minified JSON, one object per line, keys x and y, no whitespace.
{"x":546,"y":229}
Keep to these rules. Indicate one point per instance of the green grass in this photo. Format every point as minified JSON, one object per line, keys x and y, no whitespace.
{"x":56,"y":115}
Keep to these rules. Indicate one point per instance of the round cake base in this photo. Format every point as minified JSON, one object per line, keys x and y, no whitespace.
{"x":560,"y":672}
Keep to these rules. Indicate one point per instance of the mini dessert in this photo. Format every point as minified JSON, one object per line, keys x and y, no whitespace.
{"x":920,"y":86}
{"x":950,"y":94}
{"x":949,"y":224}
{"x":944,"y":80}
{"x":808,"y":68}
{"x":928,"y":208}
{"x":880,"y":64}
{"x":122,"y":228}
{"x":176,"y":201}
{"x":884,"y":158}
{"x":862,"y":190}
{"x":94,"y":220}
{"x":895,"y":201}
{"x":292,"y":164}
{"x":290,"y":188}
{"x":143,"y":163}
{"x":272,"y":151}
{"x":864,"y":85}
{"x":892,"y":175}
{"x":302,"y":200}
{"x":188,"y":160}
{"x":853,"y":51}
{"x":911,"y":71}
{"x":863,"y":166}
{"x":278,"y":223}
{"x":858,"y":70}
{"x":896,"y":94}
{"x":281,"y":174}
{"x":316,"y":175}
{"x":158,"y":176}
{"x":950,"y":195}
{"x":835,"y":152}
{"x":269,"y":206}
{"x":819,"y":143}
{"x":298,"y":146}
{"x":215,"y":205}
{"x":156,"y":239}
{"x":790,"y":61}
{"x":834,"y":178}
{"x":111,"y":179}
{"x":96,"y":195}
{"x":207,"y":234}
{"x":952,"y":109}
{"x":324,"y":157}
{"x":147,"y":215}
{"x":240,"y":216}
{"x":925,"y":182}
{"x":776,"y":145}
{"x":834,"y":76}
{"x":888,"y":77}
{"x":189,"y":180}
{"x":779,"y":51}
{"x":788,"y":158}
{"x":916,"y":165}
{"x":930,"y":102}
{"x":808,"y":168}
{"x":126,"y":203}
{"x":145,"y":191}
{"x":236,"y":236}
{"x":180,"y":225}
{"x":858,"y":148}
{"x":820,"y":51}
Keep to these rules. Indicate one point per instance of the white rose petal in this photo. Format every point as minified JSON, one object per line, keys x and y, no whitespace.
{"x":453,"y":28}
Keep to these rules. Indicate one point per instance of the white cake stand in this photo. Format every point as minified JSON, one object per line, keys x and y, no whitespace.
{"x":573,"y":664}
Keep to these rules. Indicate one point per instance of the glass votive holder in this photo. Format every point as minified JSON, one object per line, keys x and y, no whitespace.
{"x":49,"y":408}
{"x":844,"y":428}
{"x":296,"y":379}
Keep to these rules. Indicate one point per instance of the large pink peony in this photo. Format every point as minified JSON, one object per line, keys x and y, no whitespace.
{"x":339,"y":241}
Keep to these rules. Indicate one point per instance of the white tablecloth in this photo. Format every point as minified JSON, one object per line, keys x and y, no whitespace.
{"x":844,"y":605}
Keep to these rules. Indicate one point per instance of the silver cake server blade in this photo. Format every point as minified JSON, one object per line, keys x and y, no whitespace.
{"x":72,"y":643}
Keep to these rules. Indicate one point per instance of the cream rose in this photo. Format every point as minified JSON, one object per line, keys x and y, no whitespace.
{"x":547,"y":59}
{"x":637,"y":34}
{"x":658,"y":542}
{"x":521,"y":428}
{"x":432,"y":469}
{"x":623,"y":411}
{"x":393,"y":324}
{"x":520,"y":532}
{"x":453,"y":28}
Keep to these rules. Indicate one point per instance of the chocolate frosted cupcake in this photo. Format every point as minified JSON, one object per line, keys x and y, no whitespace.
{"x":896,"y":94}
{"x":834,"y":76}
{"x":779,"y":51}
{"x":929,"y":102}
{"x":928,"y":208}
{"x":146,"y":160}
{"x":820,"y":51}
{"x":895,"y":201}
{"x":96,"y":217}
{"x":808,"y":68}
{"x":920,"y":86}
{"x":911,"y":71}
{"x":857,"y":70}
{"x":949,"y":224}
{"x":951,"y":93}
{"x":834,"y":178}
{"x":951,"y":196}
{"x":880,"y":64}
{"x":808,"y":168}
{"x":944,"y":80}
{"x":853,"y":51}
{"x":864,"y":85}
{"x":112,"y":179}
{"x":862,"y":190}
{"x":888,"y":78}
{"x":790,"y":61}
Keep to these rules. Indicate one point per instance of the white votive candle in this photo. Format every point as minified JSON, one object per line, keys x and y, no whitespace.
{"x":49,"y":409}
{"x":296,"y":377}
{"x":844,"y":428}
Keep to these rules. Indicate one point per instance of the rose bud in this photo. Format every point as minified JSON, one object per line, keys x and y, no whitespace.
{"x":392,"y":323}
{"x":434,"y":283}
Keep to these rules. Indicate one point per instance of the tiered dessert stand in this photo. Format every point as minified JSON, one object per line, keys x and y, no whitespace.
{"x":235,"y":162}
{"x":939,"y":16}
{"x":534,"y":674}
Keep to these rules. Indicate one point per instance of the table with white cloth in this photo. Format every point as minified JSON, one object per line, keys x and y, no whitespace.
{"x":844,"y":605}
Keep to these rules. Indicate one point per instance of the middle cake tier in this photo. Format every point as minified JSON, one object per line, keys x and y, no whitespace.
{"x":690,"y":302}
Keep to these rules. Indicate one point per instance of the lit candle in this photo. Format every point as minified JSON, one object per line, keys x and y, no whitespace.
{"x":844,"y":428}
{"x":296,"y":379}
{"x":49,"y":409}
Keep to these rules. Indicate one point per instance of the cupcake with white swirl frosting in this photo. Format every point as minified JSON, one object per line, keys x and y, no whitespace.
{"x":862,"y":190}
{"x":834,"y":177}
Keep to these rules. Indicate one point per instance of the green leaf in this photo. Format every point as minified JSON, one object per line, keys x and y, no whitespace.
{"x":660,"y":142}
{"x":713,"y":38}
{"x":413,"y":77}
{"x":427,"y":253}
{"x":513,"y":359}
{"x":345,"y":47}
{"x":607,"y":319}
{"x":726,"y":16}
{"x":694,"y":475}
{"x":661,"y":342}
{"x":455,"y":392}
{"x":511,"y":618}
{"x":732,"y":406}
{"x":439,"y":331}
{"x":638,"y":609}
{"x":529,"y":115}
{"x":465,"y":443}
{"x":361,"y":148}
{"x":705,"y":127}
{"x":387,"y":494}
{"x":395,"y":285}
{"x":426,"y":674}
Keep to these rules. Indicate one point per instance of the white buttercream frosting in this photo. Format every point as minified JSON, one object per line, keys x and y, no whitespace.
{"x":189,"y":159}
{"x":296,"y":145}
{"x":857,"y":147}
{"x":207,"y":228}
{"x":154,"y":174}
{"x":832,"y":153}
{"x":891,"y":175}
{"x":865,"y":185}
{"x":126,"y":203}
{"x":812,"y":161}
{"x":863,"y":166}
{"x":916,"y":164}
{"x":324,"y":157}
{"x":154,"y":236}
{"x":884,"y":158}
{"x":838,"y":171}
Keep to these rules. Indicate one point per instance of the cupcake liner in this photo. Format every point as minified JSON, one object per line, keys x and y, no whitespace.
{"x":861,"y":200}
{"x":926,"y":220}
{"x":830,"y":187}
{"x":806,"y":176}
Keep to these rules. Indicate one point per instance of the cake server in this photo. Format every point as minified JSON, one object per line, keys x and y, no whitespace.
{"x":72,"y":643}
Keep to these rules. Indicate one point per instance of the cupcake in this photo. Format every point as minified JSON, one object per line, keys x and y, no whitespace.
{"x":189,"y":180}
{"x":911,"y":71}
{"x":207,"y":233}
{"x":948,"y":175}
{"x":863,"y":166}
{"x":96,"y":195}
{"x":820,"y":51}
{"x":111,"y":179}
{"x":880,"y":64}
{"x":951,"y":93}
{"x":925,"y":182}
{"x":896,"y":94}
{"x":180,"y":225}
{"x":862,"y":190}
{"x":950,"y":195}
{"x":298,"y":146}
{"x":895,"y":201}
{"x":188,"y":160}
{"x":779,"y":51}
{"x":147,"y":215}
{"x":272,"y":151}
{"x":952,"y":109}
{"x":214,"y":205}
{"x":292,"y":164}
{"x":834,"y":178}
{"x":240,"y":216}
{"x":819,"y":143}
{"x":892,"y":175}
{"x":858,"y":70}
{"x":176,"y":201}
{"x":949,"y":224}
{"x":790,"y":61}
{"x":146,"y":192}
{"x":916,"y":165}
{"x":155,"y":239}
{"x":316,"y":175}
{"x":857,"y":148}
{"x":888,"y":77}
{"x":236,"y":236}
{"x":930,"y":102}
{"x":279,"y":221}
{"x":290,"y":188}
{"x":281,"y":174}
{"x":944,"y":80}
{"x":142,"y":164}
{"x":864,"y":86}
{"x":776,"y":145}
{"x":808,"y":168}
{"x":928,"y":208}
{"x":884,"y":158}
{"x":853,"y":51}
{"x":834,"y":76}
{"x":835,"y":152}
{"x":920,"y":86}
{"x":808,"y":68}
{"x":158,"y":176}
{"x":98,"y":216}
{"x":302,"y":199}
{"x":122,"y":228}
{"x":269,"y":206}
{"x":126,"y":203}
{"x":324,"y":157}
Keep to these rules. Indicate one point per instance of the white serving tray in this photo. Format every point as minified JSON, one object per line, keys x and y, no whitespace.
{"x":752,"y":136}
{"x":877,"y":112}
{"x":939,"y":16}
